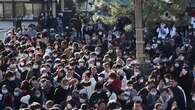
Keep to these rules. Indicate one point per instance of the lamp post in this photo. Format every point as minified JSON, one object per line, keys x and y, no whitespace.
{"x":139,"y":31}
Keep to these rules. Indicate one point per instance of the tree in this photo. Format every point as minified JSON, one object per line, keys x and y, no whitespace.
{"x":154,"y":11}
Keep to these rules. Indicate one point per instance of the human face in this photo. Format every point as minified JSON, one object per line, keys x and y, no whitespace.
{"x":173,"y":83}
{"x":137,"y":106}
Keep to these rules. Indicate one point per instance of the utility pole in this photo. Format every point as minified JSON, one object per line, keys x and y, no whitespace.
{"x":139,"y":31}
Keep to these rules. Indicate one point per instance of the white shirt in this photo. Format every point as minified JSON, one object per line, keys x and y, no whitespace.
{"x":193,"y":22}
{"x":162,"y":32}
{"x":173,"y":32}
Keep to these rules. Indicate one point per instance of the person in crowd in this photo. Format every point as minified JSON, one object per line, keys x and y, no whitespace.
{"x":91,"y":66}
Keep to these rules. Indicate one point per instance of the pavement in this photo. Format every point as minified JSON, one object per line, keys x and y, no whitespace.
{"x":6,"y":25}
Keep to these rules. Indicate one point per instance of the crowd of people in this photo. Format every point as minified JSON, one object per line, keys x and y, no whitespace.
{"x":93,"y":67}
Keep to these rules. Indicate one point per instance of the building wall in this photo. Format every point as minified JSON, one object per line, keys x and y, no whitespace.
{"x":28,"y":9}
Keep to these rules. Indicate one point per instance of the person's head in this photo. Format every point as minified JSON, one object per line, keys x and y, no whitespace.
{"x":153,"y":92}
{"x":34,"y":83}
{"x":17,"y":92}
{"x":70,"y":70}
{"x":137,"y":105}
{"x":25,"y":86}
{"x":150,"y":84}
{"x":86,"y":76}
{"x":10,"y":76}
{"x":81,"y":62}
{"x":93,"y":70}
{"x":173,"y":82}
{"x":112,"y":75}
{"x":102,"y":105}
{"x":112,"y":105}
{"x":35,"y":106}
{"x":106,"y":66}
{"x":49,"y":104}
{"x":4,"y":89}
{"x":64,"y":83}
{"x":158,"y":106}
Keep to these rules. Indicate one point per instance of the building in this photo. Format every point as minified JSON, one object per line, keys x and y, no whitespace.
{"x":28,"y":9}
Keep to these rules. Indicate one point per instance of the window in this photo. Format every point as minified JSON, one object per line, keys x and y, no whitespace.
{"x":1,"y":10}
{"x":37,"y":7}
{"x":8,"y":10}
{"x":19,"y":9}
{"x":28,"y":11}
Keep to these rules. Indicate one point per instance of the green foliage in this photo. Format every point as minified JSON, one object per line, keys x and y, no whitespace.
{"x":153,"y":10}
{"x":69,"y":4}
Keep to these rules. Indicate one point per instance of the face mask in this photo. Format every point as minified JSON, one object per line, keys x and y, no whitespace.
{"x":100,"y":79}
{"x":141,"y":80}
{"x":4,"y":91}
{"x":65,"y":87}
{"x":97,"y":52}
{"x":16,"y":93}
{"x":22,"y":64}
{"x":35,"y":66}
{"x":30,"y":55}
{"x":55,"y":55}
{"x":12,"y":78}
{"x":98,"y":64}
{"x":90,"y":65}
{"x":130,"y":87}
{"x":125,"y":97}
{"x":153,"y":93}
{"x":176,"y":65}
{"x":38,"y":95}
{"x":136,"y":73}
{"x":100,"y":33}
{"x":82,"y":100}
{"x":193,"y":98}
{"x":81,"y":64}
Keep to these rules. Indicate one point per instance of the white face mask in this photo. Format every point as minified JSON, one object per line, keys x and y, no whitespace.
{"x":30,"y":55}
{"x":141,"y":80}
{"x":35,"y":66}
{"x":82,"y":100}
{"x":100,"y":79}
{"x":193,"y":98}
{"x":4,"y":91}
{"x":16,"y":93}
{"x":65,"y":87}
{"x":153,"y":93}
{"x":125,"y":97}
{"x":176,"y":65}
{"x":38,"y":95}
{"x":81,"y":64}
{"x":12,"y":78}
{"x":136,"y":73}
{"x":130,"y":87}
{"x":98,"y":64}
